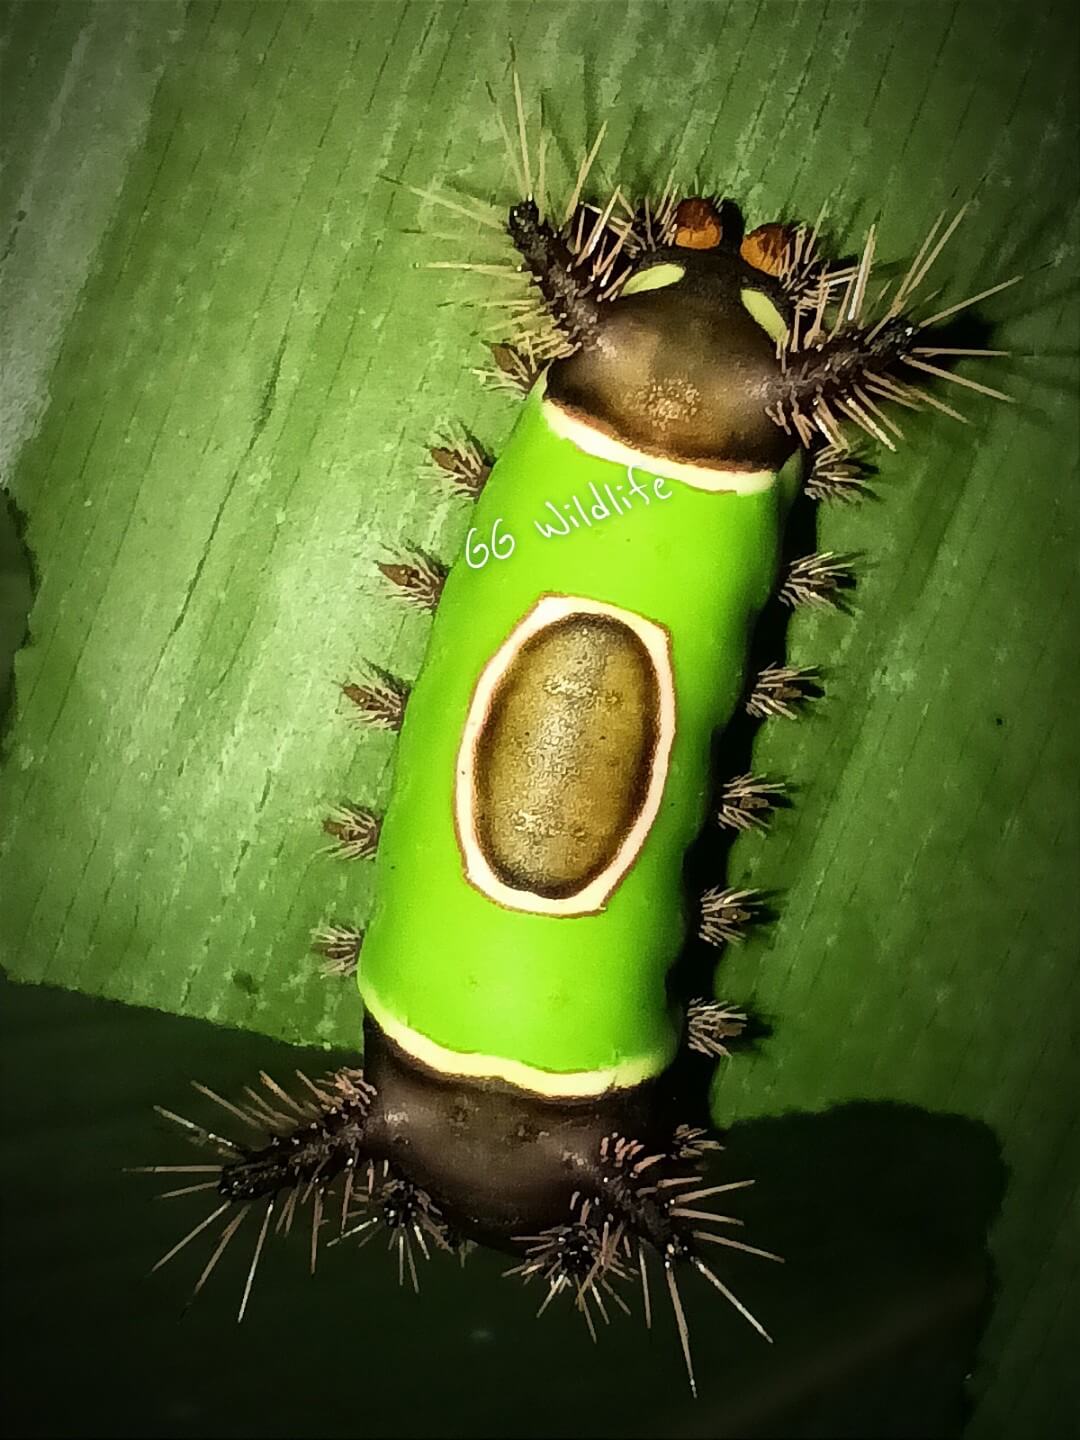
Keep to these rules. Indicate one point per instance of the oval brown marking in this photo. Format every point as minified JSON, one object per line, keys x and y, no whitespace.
{"x":563,"y":761}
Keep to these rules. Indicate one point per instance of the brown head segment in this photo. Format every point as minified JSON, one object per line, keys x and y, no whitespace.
{"x":679,"y":366}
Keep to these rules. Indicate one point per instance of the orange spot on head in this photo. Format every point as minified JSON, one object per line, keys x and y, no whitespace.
{"x":765,"y":247}
{"x":697,"y":224}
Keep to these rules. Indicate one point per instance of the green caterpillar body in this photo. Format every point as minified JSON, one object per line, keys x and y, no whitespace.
{"x":546,"y":964}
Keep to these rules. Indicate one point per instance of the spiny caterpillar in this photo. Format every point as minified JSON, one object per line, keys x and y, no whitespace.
{"x":683,"y":382}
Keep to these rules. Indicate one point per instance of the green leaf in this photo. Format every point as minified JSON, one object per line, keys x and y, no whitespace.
{"x":225,"y":363}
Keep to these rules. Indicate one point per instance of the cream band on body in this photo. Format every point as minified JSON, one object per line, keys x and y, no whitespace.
{"x":605,"y":447}
{"x":561,"y":1085}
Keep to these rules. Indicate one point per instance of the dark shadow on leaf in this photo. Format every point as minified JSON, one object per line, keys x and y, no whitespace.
{"x":18,"y":585}
{"x":881,"y":1211}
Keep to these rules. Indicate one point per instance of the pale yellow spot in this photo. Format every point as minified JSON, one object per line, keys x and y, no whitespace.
{"x":765,"y":313}
{"x":657,"y":277}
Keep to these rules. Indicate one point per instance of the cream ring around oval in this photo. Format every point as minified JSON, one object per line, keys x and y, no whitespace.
{"x":592,"y":896}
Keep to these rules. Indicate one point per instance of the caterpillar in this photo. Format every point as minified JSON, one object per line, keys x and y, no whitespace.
{"x":685,"y":381}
